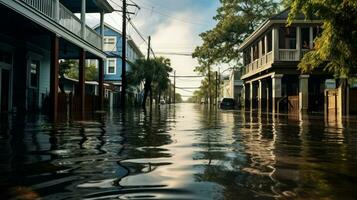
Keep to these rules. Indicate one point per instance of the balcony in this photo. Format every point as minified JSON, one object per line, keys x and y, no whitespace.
{"x":267,"y":60}
{"x":66,"y":19}
{"x":259,"y":63}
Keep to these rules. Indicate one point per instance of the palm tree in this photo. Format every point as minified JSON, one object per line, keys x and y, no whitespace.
{"x":153,"y":72}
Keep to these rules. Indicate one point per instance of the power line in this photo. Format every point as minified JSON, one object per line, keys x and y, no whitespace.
{"x":175,"y":53}
{"x":188,"y":21}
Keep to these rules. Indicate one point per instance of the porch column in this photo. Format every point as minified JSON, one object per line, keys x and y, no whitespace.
{"x":82,"y":63}
{"x":102,"y":28}
{"x":304,"y":92}
{"x":56,"y":10}
{"x":54,"y":77}
{"x":311,"y":37}
{"x":260,"y":48}
{"x":276,"y":90}
{"x":298,"y":42}
{"x":266,"y":44}
{"x":251,"y":95}
{"x":246,"y":96}
{"x":251,"y":54}
{"x":275,"y":41}
{"x":83,"y":18}
{"x":262,"y":93}
{"x":101,"y":84}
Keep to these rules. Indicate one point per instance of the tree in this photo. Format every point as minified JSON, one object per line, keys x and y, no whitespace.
{"x":336,"y":48}
{"x":70,"y":68}
{"x":154,"y":73}
{"x":236,"y":19}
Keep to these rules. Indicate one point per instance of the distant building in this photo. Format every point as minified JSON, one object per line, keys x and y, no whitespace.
{"x":271,"y":55}
{"x":113,"y":65}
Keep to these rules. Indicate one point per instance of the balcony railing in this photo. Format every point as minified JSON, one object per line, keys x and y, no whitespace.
{"x":66,"y":19}
{"x":288,"y":55}
{"x":284,"y":55}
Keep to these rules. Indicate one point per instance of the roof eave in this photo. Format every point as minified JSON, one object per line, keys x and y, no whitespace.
{"x":105,"y":5}
{"x":266,"y":25}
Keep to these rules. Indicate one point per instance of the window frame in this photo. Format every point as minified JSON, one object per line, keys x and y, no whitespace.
{"x":106,"y":39}
{"x":115,"y":66}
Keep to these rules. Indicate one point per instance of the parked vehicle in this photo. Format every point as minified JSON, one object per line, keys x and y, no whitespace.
{"x":227,"y":103}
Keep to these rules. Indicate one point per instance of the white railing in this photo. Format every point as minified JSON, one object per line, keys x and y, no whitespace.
{"x":260,"y":62}
{"x":255,"y":64}
{"x":288,"y":55}
{"x":269,"y":57}
{"x":66,"y":19}
{"x":94,"y":37}
{"x":46,"y":7}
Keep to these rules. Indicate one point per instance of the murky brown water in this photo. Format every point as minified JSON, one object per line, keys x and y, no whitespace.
{"x":182,"y":153}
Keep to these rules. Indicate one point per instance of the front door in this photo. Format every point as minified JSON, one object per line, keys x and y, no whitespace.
{"x":33,"y":94}
{"x":5,"y":89}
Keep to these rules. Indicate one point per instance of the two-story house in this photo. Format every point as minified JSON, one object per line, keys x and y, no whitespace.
{"x":113,"y":65}
{"x":35,"y":35}
{"x":271,"y":55}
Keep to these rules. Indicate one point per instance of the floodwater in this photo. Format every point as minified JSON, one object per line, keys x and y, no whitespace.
{"x":183,"y":152}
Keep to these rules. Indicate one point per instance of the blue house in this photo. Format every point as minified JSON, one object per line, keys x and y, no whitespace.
{"x":113,"y":65}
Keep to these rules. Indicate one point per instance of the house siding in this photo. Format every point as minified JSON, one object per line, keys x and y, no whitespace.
{"x":130,"y":54}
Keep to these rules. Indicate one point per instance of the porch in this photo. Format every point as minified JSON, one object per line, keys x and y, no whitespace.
{"x":30,"y":54}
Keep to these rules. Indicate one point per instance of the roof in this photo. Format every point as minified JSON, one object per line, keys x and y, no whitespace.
{"x":275,"y":19}
{"x":92,"y":6}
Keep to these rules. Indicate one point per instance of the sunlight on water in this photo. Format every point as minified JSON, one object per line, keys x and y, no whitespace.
{"x":187,"y":152}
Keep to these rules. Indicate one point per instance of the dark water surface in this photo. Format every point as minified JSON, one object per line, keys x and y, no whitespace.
{"x":187,"y":152}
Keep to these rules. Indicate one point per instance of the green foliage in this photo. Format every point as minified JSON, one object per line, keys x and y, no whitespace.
{"x":236,"y":19}
{"x":336,"y":47}
{"x":178,"y":98}
{"x":70,"y":68}
{"x":155,"y":74}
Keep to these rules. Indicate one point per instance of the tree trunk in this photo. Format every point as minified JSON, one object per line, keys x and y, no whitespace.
{"x":147,"y":89}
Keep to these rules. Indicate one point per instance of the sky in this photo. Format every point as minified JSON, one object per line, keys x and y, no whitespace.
{"x":174,"y":26}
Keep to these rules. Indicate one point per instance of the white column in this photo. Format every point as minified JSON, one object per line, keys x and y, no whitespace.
{"x":83,"y":18}
{"x":275,"y":41}
{"x":251,"y":53}
{"x":56,"y":10}
{"x":260,"y":46}
{"x":304,"y":92}
{"x":311,"y":44}
{"x":102,"y":27}
{"x":266,"y":44}
{"x":260,"y":94}
{"x":251,"y":95}
{"x":298,"y":42}
{"x":276,"y":90}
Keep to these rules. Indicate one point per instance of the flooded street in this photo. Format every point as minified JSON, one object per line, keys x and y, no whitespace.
{"x":182,"y":152}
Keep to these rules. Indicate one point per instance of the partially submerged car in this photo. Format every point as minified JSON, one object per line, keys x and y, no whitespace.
{"x":227,"y":103}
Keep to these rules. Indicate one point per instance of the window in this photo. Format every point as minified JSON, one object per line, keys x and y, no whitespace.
{"x":305,"y":38}
{"x":287,"y":38}
{"x":110,"y":43}
{"x":111,"y":66}
{"x":34,"y":68}
{"x":5,"y":57}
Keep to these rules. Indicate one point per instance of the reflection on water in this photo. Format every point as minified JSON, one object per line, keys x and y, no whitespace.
{"x":187,"y":152}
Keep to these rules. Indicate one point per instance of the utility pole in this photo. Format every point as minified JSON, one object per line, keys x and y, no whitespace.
{"x":149,"y":47}
{"x":174,"y":86}
{"x":123,"y":74}
{"x":216,"y":88}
